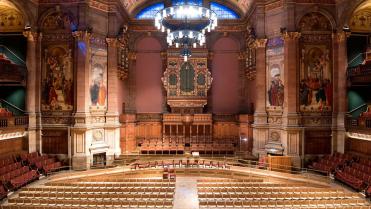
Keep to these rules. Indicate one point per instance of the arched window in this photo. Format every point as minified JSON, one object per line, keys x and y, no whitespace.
{"x":193,"y":2}
{"x":150,"y":11}
{"x":223,"y":12}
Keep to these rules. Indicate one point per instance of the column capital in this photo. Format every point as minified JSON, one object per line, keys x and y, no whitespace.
{"x":291,"y":36}
{"x":340,"y":36}
{"x":112,"y":42}
{"x":81,"y":35}
{"x":210,"y":55}
{"x":31,"y":35}
{"x":242,"y":56}
{"x":260,"y":43}
{"x":132,"y":55}
{"x":163,"y":55}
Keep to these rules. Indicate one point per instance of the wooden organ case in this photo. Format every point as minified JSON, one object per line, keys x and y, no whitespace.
{"x":187,"y":85}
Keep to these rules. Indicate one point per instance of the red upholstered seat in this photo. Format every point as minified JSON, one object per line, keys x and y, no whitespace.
{"x":3,"y":192}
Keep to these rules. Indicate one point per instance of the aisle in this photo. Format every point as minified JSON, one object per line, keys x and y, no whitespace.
{"x":186,"y":193}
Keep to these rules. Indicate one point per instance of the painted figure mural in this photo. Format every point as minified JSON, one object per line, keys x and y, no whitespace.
{"x":315,"y":79}
{"x":98,"y":81}
{"x":275,"y":65}
{"x":57,"y":79}
{"x":276,"y":89}
{"x":98,"y":88}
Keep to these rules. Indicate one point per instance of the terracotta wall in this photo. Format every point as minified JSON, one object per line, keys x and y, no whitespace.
{"x":149,"y":98}
{"x":225,"y":88}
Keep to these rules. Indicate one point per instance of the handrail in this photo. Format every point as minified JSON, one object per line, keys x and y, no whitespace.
{"x":12,"y":105}
{"x":356,"y":57}
{"x":3,"y":46}
{"x":357,"y":108}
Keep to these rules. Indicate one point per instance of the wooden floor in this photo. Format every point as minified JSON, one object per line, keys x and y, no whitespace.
{"x":123,"y":188}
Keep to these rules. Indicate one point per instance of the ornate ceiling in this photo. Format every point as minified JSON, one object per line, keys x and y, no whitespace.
{"x":11,"y":20}
{"x":131,"y":5}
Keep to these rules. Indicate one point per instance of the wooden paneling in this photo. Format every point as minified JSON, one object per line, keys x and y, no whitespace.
{"x":317,"y":142}
{"x":222,"y":130}
{"x":279,"y":163}
{"x":356,"y":146}
{"x":13,"y":146}
{"x":55,"y":142}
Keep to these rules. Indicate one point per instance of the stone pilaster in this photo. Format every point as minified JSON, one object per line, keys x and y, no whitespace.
{"x":33,"y":89}
{"x":339,"y":44}
{"x":164,"y":92}
{"x":131,"y":106}
{"x":291,"y":72}
{"x":260,"y":129}
{"x":112,"y":127}
{"x":81,"y":138}
{"x":292,"y":133}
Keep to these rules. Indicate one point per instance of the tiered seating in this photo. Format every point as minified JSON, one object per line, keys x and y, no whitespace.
{"x":178,"y":145}
{"x":356,"y":174}
{"x":181,"y":164}
{"x":368,"y":191}
{"x":44,"y":163}
{"x":239,"y":194}
{"x":159,"y":146}
{"x":25,"y":176}
{"x":3,"y":192}
{"x":351,"y":177}
{"x":13,"y":174}
{"x":98,"y":194}
{"x":329,"y":163}
{"x":4,"y":112}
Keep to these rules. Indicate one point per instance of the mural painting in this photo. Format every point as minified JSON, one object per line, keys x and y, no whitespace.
{"x":59,"y":21}
{"x":315,"y":79}
{"x":98,"y":81}
{"x":275,"y":70}
{"x":57,"y":85}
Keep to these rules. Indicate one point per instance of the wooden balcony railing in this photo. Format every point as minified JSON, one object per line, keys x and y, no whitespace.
{"x":16,"y":121}
{"x":362,"y":123}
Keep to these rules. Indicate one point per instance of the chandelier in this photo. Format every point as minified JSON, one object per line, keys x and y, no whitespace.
{"x":186,"y":26}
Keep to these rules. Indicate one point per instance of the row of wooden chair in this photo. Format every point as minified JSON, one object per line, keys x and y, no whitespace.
{"x":101,"y":190}
{"x":255,"y":183}
{"x":104,"y":180}
{"x":267,"y":196}
{"x":283,"y":204}
{"x":118,"y":184}
{"x":97,"y":196}
{"x":297,"y":190}
{"x":35,"y":203}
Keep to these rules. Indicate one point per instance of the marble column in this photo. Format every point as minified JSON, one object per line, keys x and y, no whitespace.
{"x":292,"y":132}
{"x":260,"y":128}
{"x":81,"y":138}
{"x":112,"y":127}
{"x":339,"y":43}
{"x":33,"y":96}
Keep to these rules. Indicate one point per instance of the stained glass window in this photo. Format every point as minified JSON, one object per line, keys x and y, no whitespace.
{"x":223,"y":12}
{"x":150,"y":11}
{"x":193,"y":2}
